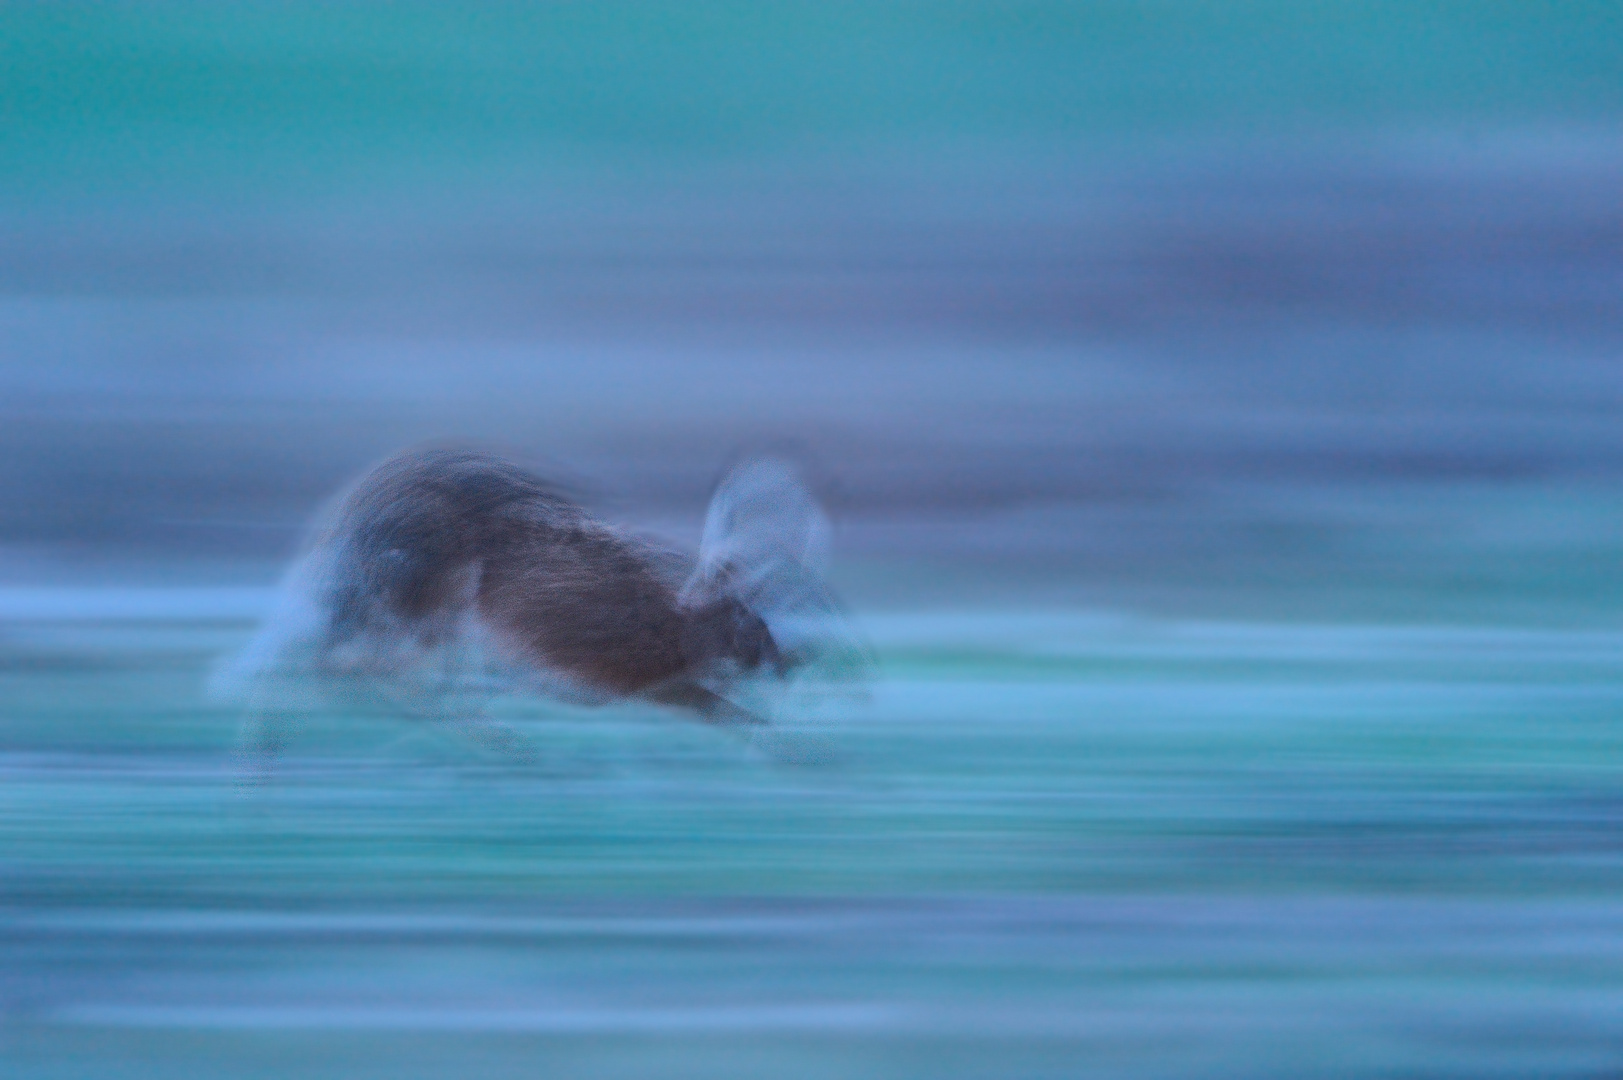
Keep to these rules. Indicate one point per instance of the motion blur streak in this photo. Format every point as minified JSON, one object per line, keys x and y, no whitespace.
{"x":1219,"y":410}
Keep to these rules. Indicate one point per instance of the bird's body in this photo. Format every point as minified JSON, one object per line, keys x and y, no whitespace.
{"x":439,"y":561}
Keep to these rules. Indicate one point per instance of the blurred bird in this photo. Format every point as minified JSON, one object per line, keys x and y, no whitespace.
{"x":441,"y":567}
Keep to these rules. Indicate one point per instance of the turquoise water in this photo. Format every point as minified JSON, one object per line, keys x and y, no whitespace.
{"x":1049,"y":843}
